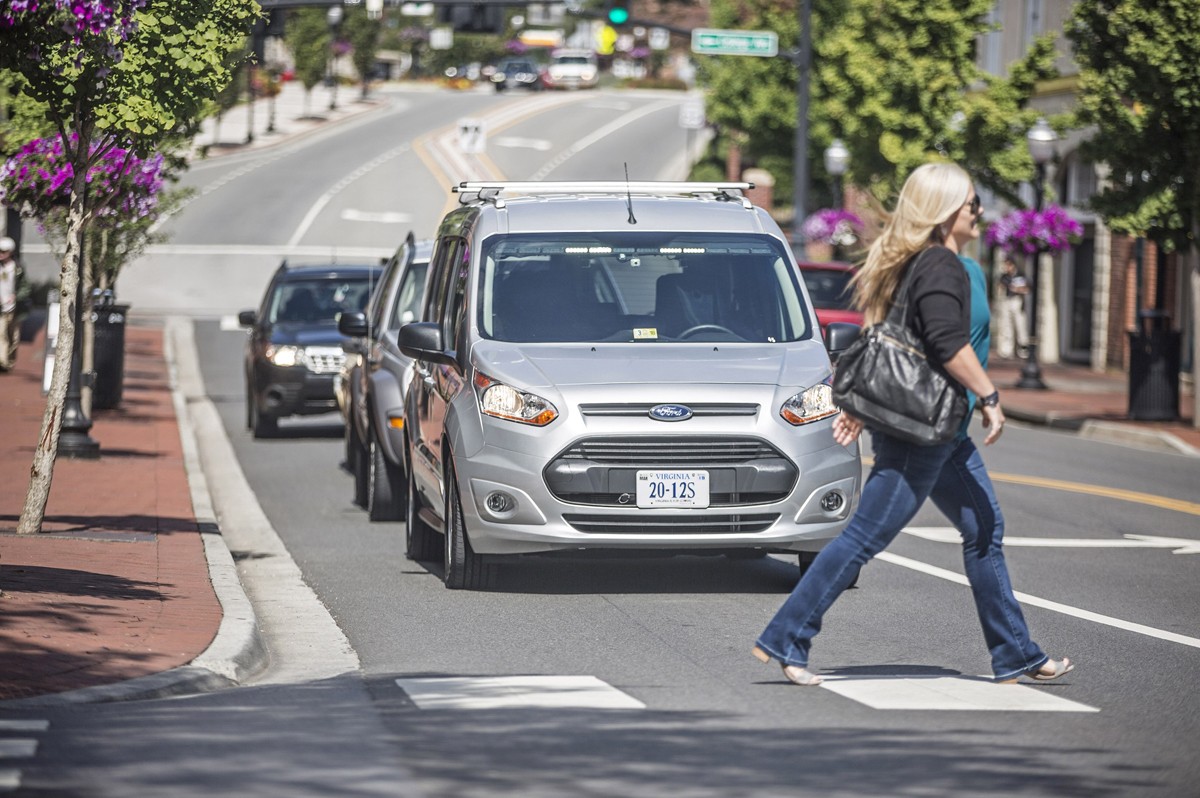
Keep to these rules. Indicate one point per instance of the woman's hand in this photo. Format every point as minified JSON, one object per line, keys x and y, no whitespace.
{"x":846,"y":429}
{"x":993,"y":422}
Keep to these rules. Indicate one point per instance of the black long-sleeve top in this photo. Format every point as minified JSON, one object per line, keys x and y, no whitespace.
{"x":939,"y":300}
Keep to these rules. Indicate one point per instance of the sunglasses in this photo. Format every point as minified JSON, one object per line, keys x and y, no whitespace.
{"x":975,"y":206}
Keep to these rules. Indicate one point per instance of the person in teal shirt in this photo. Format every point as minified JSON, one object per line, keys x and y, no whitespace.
{"x":981,"y":327}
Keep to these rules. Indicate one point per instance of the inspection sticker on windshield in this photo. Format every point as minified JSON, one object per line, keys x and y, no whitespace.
{"x":644,"y":332}
{"x":672,"y":489}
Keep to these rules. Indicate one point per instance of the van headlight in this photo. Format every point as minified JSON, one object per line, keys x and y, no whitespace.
{"x":504,"y":401}
{"x":811,"y":405}
{"x":284,"y":356}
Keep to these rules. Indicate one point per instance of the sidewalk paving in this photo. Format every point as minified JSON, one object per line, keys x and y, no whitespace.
{"x":118,"y":586}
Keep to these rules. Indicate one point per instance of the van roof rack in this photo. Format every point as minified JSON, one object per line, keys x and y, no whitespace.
{"x":490,"y":190}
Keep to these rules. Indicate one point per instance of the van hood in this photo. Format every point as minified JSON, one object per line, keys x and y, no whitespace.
{"x":543,"y":366}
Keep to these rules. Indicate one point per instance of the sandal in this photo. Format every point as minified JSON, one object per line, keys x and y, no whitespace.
{"x":1060,"y":667}
{"x":793,"y":673}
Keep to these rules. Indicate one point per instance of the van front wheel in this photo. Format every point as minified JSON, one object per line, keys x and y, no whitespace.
{"x":464,"y":569}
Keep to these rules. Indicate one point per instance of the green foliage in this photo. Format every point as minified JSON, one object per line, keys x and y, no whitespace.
{"x":1139,"y":85}
{"x":896,"y":81}
{"x":308,"y":37}
{"x":22,"y":119}
{"x":363,"y":34}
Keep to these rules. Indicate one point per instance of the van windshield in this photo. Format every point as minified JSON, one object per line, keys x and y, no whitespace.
{"x":639,"y":288}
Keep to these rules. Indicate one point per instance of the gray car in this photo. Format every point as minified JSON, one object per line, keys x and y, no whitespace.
{"x":621,"y":366}
{"x":375,"y":379}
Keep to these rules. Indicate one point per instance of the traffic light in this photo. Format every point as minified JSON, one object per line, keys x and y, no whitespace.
{"x":617,"y":13}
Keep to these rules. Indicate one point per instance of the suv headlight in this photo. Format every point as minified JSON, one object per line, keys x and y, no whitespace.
{"x":811,"y":405}
{"x":284,"y":356}
{"x":503,"y":401}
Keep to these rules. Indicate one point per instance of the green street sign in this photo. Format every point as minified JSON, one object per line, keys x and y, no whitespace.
{"x":708,"y":41}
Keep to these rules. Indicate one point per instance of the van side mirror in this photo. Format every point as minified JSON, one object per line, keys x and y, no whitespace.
{"x":422,"y":340}
{"x":353,"y":324}
{"x":838,"y":337}
{"x":246,"y":318}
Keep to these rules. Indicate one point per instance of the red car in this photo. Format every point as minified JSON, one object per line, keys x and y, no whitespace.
{"x":829,"y":288}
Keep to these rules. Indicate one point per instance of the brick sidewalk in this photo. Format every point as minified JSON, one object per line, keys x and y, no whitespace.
{"x":117,"y":586}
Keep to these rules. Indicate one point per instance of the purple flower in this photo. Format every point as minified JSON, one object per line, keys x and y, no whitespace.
{"x":832,"y":226}
{"x":1031,"y":231}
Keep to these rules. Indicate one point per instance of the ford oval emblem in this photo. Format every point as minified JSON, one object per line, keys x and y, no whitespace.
{"x":670,"y":413}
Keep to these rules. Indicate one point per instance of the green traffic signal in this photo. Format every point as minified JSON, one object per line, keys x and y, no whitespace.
{"x":618,"y":15}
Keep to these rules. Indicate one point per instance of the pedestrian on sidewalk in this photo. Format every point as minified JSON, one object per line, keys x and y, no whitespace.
{"x":15,"y":296}
{"x":938,"y":210}
{"x":1011,"y":325}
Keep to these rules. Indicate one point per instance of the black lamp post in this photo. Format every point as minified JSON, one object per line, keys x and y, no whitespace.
{"x":837,"y":158}
{"x":1041,"y":138}
{"x":334,"y":17}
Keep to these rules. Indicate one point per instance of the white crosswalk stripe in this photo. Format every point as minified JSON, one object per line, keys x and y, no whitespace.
{"x":948,"y":693}
{"x":17,"y":748}
{"x":516,"y":692}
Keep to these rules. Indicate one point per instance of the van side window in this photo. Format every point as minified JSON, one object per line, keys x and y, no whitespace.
{"x":435,"y":299}
{"x":457,"y":301}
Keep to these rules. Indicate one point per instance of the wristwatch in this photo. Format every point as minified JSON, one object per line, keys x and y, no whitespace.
{"x":991,"y":400}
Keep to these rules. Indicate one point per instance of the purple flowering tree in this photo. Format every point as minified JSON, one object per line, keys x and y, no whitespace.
{"x":112,"y":75}
{"x":1032,"y":231}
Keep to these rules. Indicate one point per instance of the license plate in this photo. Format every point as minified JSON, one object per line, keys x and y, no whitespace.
{"x":672,"y":489}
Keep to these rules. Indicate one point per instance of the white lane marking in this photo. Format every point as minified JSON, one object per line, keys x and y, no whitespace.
{"x":24,"y":725}
{"x":325,"y":198}
{"x":10,"y":779}
{"x":948,"y":534}
{"x":587,"y":141}
{"x":947,"y":693}
{"x":384,"y":217}
{"x":519,"y":142}
{"x":17,"y":748}
{"x":275,"y":250}
{"x":1053,"y":606}
{"x":516,"y":692}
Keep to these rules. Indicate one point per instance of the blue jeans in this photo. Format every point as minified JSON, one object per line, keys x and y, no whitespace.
{"x":904,"y":475}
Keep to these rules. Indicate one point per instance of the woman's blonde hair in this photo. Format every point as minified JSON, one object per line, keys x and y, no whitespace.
{"x":930,"y":198}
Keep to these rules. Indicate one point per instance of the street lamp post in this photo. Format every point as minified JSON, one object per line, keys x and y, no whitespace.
{"x":837,"y":158}
{"x":334,"y":17}
{"x":1040,"y":138}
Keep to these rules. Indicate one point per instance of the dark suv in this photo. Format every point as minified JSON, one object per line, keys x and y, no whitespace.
{"x":376,"y":380}
{"x":294,"y":349}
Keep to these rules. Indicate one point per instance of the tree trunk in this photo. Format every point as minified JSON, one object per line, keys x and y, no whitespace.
{"x":41,"y":473}
{"x":87,"y":360}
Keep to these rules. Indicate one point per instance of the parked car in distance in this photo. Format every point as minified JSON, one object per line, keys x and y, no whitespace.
{"x":517,"y":73}
{"x":294,"y":349}
{"x":620,"y":366}
{"x":376,"y":380}
{"x":571,"y":69}
{"x":829,"y":289}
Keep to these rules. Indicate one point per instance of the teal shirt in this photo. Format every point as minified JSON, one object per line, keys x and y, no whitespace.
{"x":981,"y":326}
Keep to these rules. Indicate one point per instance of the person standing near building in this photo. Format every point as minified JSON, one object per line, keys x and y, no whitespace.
{"x":1011,"y":325}
{"x":936,"y":215}
{"x":14,"y":302}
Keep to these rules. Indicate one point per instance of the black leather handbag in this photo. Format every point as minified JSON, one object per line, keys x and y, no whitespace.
{"x":885,"y":380}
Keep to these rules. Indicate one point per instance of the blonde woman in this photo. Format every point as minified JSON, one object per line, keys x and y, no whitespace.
{"x":936,"y":215}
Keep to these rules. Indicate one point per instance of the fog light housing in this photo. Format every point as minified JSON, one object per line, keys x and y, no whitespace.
{"x":499,"y":502}
{"x":832,"y":501}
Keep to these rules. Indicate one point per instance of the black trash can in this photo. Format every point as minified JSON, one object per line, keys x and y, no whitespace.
{"x":1154,"y":357}
{"x":108,"y":355}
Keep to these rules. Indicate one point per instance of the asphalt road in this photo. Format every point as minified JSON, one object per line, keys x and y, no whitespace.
{"x":665,"y":698}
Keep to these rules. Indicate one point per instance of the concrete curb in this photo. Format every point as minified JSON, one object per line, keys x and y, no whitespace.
{"x":237,"y":651}
{"x":1105,"y":431}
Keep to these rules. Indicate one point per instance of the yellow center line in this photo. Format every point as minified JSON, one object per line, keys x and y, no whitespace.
{"x":1177,"y":505}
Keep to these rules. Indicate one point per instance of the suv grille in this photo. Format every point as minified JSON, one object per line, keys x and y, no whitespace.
{"x":602,"y":471}
{"x":642,"y":409}
{"x":641,"y":524}
{"x":324,"y":359}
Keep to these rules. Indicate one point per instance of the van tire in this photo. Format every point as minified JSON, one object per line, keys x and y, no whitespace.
{"x":421,"y":541}
{"x":384,"y":499}
{"x":464,"y":569}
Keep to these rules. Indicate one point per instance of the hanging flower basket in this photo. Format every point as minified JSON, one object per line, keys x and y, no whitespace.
{"x":831,"y":226}
{"x":1030,"y":231}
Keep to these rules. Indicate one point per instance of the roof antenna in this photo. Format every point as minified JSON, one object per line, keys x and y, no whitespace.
{"x":628,"y":196}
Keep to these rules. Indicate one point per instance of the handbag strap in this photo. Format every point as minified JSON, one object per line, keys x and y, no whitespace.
{"x":901,"y":298}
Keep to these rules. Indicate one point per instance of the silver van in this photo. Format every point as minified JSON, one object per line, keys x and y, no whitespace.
{"x":622,"y":366}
